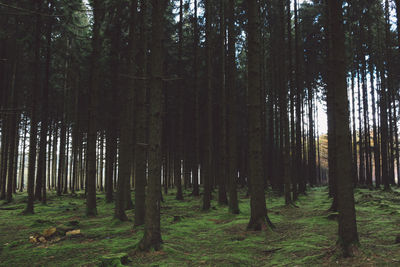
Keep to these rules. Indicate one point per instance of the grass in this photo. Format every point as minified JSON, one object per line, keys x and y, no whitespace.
{"x":303,"y":236}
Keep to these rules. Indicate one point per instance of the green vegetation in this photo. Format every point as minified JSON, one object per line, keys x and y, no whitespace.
{"x":303,"y":236}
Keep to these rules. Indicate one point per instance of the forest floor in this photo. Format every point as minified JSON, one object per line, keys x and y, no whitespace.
{"x":304,"y":236}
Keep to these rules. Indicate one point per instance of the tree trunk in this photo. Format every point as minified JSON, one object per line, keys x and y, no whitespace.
{"x":348,"y":235}
{"x":91,"y":209}
{"x":232,"y":112}
{"x":13,"y":129}
{"x":222,"y":198}
{"x":361,"y":174}
{"x":353,"y":113}
{"x":255,"y":169}
{"x":152,"y":232}
{"x":141,"y":121}
{"x":298,"y":179}
{"x":40,"y":193}
{"x":22,"y":173}
{"x":208,"y":162}
{"x":33,"y":127}
{"x":195,"y":169}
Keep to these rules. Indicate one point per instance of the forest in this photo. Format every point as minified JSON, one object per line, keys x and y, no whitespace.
{"x":199,"y":133}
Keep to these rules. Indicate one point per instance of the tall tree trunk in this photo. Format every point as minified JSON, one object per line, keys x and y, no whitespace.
{"x":348,"y":235}
{"x":292,"y":99}
{"x":195,"y":169}
{"x":222,"y":197}
{"x":298,"y":151}
{"x":126,"y":100}
{"x":367,"y":133}
{"x":12,"y":126}
{"x":33,"y":127}
{"x":91,"y":209}
{"x":152,"y":231}
{"x":353,"y":113}
{"x":141,"y":121}
{"x":255,"y":170}
{"x":40,"y":193}
{"x":22,"y":173}
{"x":54,"y":156}
{"x":232,"y":112}
{"x":208,"y":162}
{"x":179,"y":142}
{"x":4,"y":157}
{"x":384,"y":131}
{"x":361,"y":175}
{"x":377,"y":154}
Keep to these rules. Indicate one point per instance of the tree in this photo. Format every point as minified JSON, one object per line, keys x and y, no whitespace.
{"x":231,"y":93}
{"x":40,"y":193}
{"x":152,"y":233}
{"x":127,"y":101}
{"x":33,"y":112}
{"x":257,"y":201}
{"x":348,"y":235}
{"x":141,"y":119}
{"x":196,"y":191}
{"x":208,"y":162}
{"x":91,"y":209}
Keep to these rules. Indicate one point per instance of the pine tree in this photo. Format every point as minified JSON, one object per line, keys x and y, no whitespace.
{"x":348,"y":235}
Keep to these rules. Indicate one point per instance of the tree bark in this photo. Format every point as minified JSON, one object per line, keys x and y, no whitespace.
{"x":91,"y":209}
{"x":152,"y":233}
{"x":33,"y":112}
{"x":348,"y":235}
{"x":232,"y":112}
{"x":255,"y":169}
{"x":141,"y":121}
{"x":208,"y":162}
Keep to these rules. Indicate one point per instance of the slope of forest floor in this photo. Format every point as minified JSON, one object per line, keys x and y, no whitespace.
{"x":304,"y":236}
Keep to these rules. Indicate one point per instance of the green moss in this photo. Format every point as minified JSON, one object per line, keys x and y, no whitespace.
{"x":304,"y":236}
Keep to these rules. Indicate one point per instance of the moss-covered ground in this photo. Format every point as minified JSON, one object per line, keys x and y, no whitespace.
{"x":304,"y":236}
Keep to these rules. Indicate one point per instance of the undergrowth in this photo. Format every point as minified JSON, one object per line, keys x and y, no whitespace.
{"x":304,"y":236}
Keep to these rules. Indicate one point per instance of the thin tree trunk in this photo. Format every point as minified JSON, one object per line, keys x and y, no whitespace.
{"x":232,"y":112}
{"x":33,"y":127}
{"x":222,"y":197}
{"x":22,"y":173}
{"x":353,"y":112}
{"x":41,"y":170}
{"x":208,"y":162}
{"x":91,"y":209}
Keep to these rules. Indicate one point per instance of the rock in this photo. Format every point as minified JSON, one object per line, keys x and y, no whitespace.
{"x":114,"y":260}
{"x":33,"y":239}
{"x":49,"y":232}
{"x":74,"y":233}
